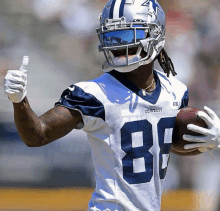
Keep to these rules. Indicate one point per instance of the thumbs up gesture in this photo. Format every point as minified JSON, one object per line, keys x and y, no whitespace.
{"x":16,"y":81}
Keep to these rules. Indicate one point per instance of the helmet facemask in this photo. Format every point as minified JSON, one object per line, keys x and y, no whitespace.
{"x":118,"y":35}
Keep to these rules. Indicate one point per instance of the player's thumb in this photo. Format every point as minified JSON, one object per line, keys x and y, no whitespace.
{"x":24,"y":63}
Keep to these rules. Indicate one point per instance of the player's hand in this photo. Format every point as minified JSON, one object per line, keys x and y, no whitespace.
{"x":16,"y":81}
{"x":210,"y":137}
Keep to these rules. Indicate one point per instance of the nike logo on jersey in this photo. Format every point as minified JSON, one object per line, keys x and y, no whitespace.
{"x":71,"y":88}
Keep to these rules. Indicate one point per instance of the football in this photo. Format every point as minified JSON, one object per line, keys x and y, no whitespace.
{"x":185,"y":116}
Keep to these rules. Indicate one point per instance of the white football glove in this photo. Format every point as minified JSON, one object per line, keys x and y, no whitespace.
{"x":16,"y":81}
{"x":210,"y":137}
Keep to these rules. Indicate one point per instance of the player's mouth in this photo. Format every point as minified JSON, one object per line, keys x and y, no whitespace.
{"x":122,"y":52}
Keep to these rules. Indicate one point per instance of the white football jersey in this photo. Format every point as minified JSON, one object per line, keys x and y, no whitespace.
{"x":130,"y":136}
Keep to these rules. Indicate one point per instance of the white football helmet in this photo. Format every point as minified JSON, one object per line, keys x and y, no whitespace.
{"x":131,"y":24}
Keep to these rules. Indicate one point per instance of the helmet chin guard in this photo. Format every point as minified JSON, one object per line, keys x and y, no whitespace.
{"x":140,"y":25}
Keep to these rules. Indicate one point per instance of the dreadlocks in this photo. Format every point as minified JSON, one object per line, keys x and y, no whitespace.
{"x":166,"y":63}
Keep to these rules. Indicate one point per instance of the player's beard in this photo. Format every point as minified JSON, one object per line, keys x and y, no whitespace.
{"x":121,"y":61}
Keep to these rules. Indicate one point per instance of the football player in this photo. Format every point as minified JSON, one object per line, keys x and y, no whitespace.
{"x":128,"y":113}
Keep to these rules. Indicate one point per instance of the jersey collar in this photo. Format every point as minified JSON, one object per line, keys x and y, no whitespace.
{"x":123,"y":80}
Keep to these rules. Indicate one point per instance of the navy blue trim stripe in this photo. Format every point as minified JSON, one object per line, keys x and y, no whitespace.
{"x":185,"y":99}
{"x":87,"y":103}
{"x":121,"y":10}
{"x":112,"y":9}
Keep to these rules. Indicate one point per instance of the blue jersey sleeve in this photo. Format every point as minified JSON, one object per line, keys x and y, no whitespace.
{"x":185,"y":99}
{"x":87,"y":104}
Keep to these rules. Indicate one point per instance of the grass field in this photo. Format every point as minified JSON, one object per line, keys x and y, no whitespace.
{"x":76,"y":199}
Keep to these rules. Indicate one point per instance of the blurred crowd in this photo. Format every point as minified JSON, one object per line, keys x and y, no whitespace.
{"x":59,"y":37}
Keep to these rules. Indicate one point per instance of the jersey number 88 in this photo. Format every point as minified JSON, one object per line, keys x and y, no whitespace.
{"x":143,"y":151}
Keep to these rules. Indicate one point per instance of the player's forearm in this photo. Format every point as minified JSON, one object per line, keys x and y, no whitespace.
{"x":28,"y":124}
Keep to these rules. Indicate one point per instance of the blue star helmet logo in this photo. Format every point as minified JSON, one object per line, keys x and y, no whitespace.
{"x":154,"y":4}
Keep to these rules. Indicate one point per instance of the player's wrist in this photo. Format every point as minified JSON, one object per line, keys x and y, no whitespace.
{"x":19,"y":97}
